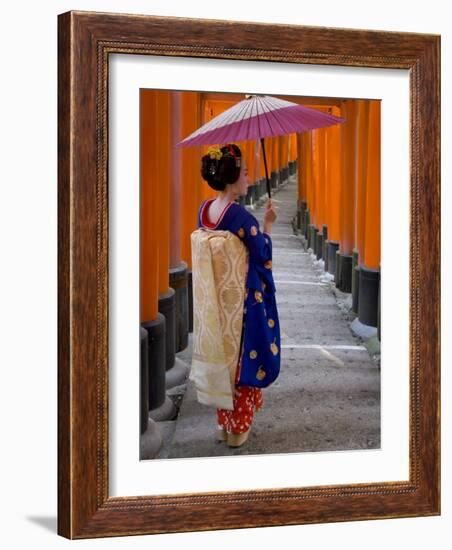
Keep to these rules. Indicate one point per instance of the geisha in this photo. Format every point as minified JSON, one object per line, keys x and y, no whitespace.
{"x":259,"y":358}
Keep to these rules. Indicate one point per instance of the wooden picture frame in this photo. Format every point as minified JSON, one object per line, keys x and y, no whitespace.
{"x":85,"y":41}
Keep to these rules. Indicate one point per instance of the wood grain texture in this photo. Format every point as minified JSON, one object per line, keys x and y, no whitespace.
{"x":64,"y":294}
{"x":85,"y":42}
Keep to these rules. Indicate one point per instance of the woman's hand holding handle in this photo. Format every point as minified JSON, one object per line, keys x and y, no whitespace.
{"x":269,"y":216}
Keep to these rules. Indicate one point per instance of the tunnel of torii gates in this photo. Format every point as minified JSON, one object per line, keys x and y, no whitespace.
{"x":337,"y":211}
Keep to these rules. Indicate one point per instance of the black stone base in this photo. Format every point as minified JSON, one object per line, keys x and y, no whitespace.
{"x":299,"y":223}
{"x":274,"y":180}
{"x":248,"y":198}
{"x":319,"y":246}
{"x":355,"y":288}
{"x":355,"y":280}
{"x":325,"y":254}
{"x":333,"y":247}
{"x":167,"y":307}
{"x":325,"y":246}
{"x":379,"y":309}
{"x":343,"y":278}
{"x":284,"y":175}
{"x":257,"y":191}
{"x":144,"y":380}
{"x":156,"y":360}
{"x":306,"y":223}
{"x":298,"y":219}
{"x":312,"y":238}
{"x":178,"y":280}
{"x":369,"y":282}
{"x":301,"y":215}
{"x":252,"y":189}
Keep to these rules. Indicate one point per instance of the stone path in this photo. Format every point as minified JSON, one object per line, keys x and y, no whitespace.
{"x":327,"y":396}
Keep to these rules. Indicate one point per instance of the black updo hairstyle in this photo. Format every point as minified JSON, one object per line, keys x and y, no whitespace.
{"x":218,"y":173}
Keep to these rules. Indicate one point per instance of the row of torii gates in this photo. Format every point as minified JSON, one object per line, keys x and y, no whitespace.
{"x":338,"y":209}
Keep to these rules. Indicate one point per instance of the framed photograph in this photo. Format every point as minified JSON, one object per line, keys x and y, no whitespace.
{"x":325,"y":367}
{"x":339,"y":437}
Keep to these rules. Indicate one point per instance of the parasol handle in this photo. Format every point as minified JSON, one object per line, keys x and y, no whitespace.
{"x":266,"y":169}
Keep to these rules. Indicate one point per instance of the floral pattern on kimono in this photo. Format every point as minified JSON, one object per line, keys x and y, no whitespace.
{"x":259,"y":361}
{"x":246,"y":400}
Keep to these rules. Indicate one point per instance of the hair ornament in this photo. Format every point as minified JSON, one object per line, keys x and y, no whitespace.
{"x":214,"y":153}
{"x":238,"y":160}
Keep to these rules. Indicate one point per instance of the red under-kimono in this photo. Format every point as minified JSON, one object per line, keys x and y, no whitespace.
{"x":246,"y":400}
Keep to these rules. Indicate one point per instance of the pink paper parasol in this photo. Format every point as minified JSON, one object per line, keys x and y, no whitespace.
{"x":258,"y":117}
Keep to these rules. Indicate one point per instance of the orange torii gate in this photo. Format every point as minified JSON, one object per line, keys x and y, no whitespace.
{"x":339,"y":198}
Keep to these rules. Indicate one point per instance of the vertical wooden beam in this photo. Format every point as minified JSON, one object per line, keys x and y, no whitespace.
{"x":361,"y":175}
{"x":191,"y":188}
{"x":162,"y":183}
{"x":348,"y":189}
{"x":334,"y":177}
{"x":149,"y":207}
{"x":373,"y":191}
{"x":175,"y":199}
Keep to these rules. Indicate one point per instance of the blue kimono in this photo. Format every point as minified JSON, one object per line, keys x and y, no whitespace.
{"x":260,"y":356}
